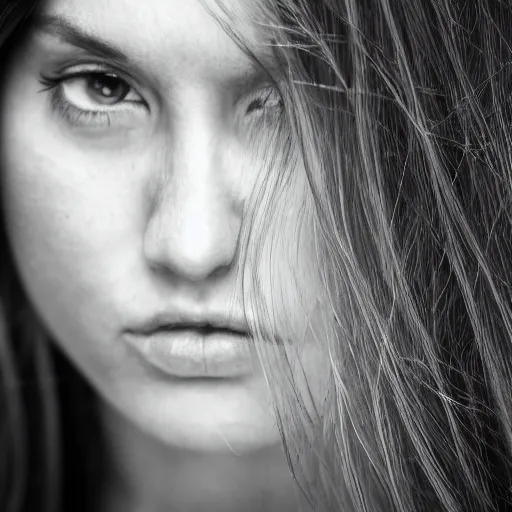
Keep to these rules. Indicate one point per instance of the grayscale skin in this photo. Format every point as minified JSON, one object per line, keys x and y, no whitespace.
{"x":135,"y":208}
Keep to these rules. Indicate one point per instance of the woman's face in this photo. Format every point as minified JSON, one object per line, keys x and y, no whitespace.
{"x":128,"y":156}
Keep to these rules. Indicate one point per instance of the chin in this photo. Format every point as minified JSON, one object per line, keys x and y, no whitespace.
{"x":210,"y":415}
{"x":219,"y":438}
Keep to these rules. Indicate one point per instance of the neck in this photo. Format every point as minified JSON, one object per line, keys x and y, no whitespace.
{"x":145,"y":476}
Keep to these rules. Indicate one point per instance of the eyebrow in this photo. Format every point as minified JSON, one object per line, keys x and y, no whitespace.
{"x":72,"y":34}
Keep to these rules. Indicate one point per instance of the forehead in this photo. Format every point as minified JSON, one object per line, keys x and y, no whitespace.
{"x":178,"y":37}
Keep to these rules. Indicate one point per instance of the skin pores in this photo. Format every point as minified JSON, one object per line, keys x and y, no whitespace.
{"x":117,"y":209}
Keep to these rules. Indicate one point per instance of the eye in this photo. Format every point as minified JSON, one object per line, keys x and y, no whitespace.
{"x":270,"y":99}
{"x":94,"y":98}
{"x":97,"y":89}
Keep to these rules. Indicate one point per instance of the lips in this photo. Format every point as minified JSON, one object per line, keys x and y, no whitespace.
{"x":202,"y":329}
{"x":190,"y":353}
{"x":186,"y":345}
{"x":205,"y":322}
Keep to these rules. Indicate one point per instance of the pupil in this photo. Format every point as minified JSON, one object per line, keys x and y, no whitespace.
{"x":108,"y":87}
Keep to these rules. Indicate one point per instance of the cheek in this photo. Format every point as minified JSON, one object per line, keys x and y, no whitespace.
{"x":288,"y":261}
{"x":70,"y":241}
{"x":292,"y":289}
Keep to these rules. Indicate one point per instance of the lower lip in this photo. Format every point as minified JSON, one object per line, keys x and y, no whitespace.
{"x":187,"y":353}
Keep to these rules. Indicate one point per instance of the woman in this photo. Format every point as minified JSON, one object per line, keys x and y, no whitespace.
{"x":256,"y":255}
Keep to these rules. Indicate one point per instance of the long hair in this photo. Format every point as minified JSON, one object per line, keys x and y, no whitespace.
{"x":399,"y":112}
{"x":50,"y":436}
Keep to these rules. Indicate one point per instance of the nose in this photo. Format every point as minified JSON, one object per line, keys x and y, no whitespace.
{"x":194,"y":224}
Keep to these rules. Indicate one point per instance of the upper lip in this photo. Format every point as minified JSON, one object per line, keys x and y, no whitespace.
{"x":213,"y":320}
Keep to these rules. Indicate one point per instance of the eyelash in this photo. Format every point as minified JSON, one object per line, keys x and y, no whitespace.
{"x":261,"y":102}
{"x":78,"y":116}
{"x":82,"y":117}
